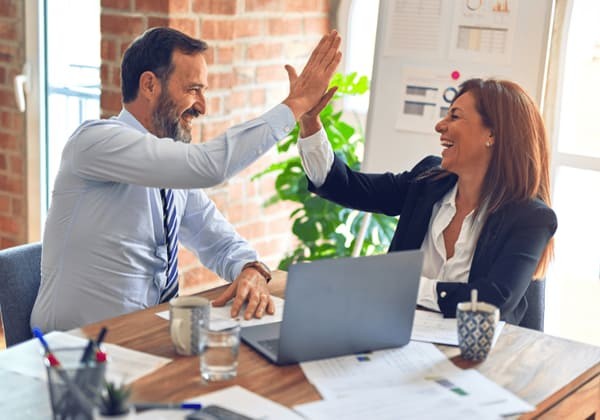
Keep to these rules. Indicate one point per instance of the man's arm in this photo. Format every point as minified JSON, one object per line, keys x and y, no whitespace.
{"x":221,"y":249}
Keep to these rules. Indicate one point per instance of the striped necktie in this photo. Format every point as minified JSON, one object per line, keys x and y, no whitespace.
{"x":169,"y":220}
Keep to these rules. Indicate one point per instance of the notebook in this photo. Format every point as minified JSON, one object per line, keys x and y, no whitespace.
{"x":342,"y":306}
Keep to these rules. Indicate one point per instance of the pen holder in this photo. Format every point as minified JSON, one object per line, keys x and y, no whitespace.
{"x":74,"y":386}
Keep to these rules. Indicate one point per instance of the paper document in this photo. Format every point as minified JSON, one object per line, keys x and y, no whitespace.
{"x":124,"y":365}
{"x":421,"y":400}
{"x":223,"y":314}
{"x":348,"y":376}
{"x":432,"y":327}
{"x":234,"y":398}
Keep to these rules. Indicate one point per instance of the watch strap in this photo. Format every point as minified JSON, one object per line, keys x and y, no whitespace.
{"x":261,"y":268}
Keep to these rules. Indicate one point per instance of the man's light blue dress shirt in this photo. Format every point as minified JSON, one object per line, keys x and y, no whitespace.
{"x":104,"y":251}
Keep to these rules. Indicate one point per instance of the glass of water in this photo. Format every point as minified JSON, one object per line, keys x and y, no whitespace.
{"x":219,"y":348}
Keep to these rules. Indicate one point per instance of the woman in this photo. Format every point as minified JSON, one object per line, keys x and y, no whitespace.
{"x":480,"y":213}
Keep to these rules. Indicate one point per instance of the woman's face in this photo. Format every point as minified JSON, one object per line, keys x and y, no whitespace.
{"x":467,"y":143}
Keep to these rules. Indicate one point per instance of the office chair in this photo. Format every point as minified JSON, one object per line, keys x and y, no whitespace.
{"x":536,"y":299}
{"x":19,"y":283}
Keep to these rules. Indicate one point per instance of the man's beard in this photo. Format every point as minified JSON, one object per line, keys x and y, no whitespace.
{"x":167,"y":123}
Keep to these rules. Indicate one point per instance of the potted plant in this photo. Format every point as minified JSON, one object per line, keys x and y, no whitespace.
{"x":325,"y":229}
{"x":114,"y":401}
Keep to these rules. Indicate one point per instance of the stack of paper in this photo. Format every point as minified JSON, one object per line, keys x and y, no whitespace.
{"x":406,"y":380}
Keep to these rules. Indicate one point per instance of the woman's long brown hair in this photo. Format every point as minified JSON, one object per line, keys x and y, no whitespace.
{"x":520,"y":164}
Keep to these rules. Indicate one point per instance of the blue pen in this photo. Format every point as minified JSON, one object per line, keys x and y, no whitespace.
{"x":177,"y":406}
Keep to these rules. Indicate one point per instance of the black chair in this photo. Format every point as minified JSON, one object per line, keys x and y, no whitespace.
{"x":19,"y":283}
{"x":536,"y":299}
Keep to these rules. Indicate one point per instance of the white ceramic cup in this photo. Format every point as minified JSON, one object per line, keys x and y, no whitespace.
{"x":186,"y":315}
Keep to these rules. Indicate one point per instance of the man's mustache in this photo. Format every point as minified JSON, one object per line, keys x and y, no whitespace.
{"x":192,"y":112}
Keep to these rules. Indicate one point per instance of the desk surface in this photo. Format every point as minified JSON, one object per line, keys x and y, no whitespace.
{"x":560,"y":377}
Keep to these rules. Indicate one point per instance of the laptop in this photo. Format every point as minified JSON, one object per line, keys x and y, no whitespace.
{"x":342,"y":306}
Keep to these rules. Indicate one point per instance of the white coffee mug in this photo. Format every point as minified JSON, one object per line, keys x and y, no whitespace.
{"x":186,"y":315}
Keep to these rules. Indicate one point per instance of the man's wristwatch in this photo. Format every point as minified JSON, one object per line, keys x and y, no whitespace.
{"x":260,"y":267}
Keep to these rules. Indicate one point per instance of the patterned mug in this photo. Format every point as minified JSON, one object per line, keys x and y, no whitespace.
{"x":476,"y":324}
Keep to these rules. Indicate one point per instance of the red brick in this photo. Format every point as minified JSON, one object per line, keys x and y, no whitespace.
{"x":3,"y":164}
{"x":121,"y":25}
{"x":2,"y":75}
{"x":8,"y":31}
{"x":243,"y":75}
{"x":154,"y":21}
{"x":108,"y":50}
{"x":300,"y":5}
{"x":264,"y":51}
{"x":248,"y":28}
{"x":9,"y":243}
{"x":216,"y":29}
{"x":116,"y":4}
{"x":110,"y":102}
{"x":274,"y":73}
{"x":213,"y":106}
{"x":285,"y":27}
{"x":257,"y":97}
{"x":8,"y":141}
{"x":157,"y":6}
{"x":215,"y":7}
{"x":279,"y":225}
{"x":314,"y":25}
{"x":16,"y":165}
{"x":8,"y":53}
{"x":252,"y":231}
{"x":273,"y":246}
{"x":187,"y":26}
{"x":197,"y":277}
{"x":179,"y":6}
{"x":11,"y":184}
{"x":10,"y":225}
{"x":8,"y":9}
{"x":263,"y":5}
{"x":242,"y":213}
{"x":186,"y":258}
{"x":209,"y":55}
{"x":17,"y":207}
{"x":237,"y":99}
{"x":4,"y":202}
{"x":218,"y":81}
{"x":224,"y":54}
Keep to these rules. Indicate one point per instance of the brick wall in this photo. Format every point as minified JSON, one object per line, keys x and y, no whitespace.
{"x":249,"y":41}
{"x":13,"y":199}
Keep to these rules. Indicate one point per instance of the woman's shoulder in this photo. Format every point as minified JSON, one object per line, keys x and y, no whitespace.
{"x":532,"y":211}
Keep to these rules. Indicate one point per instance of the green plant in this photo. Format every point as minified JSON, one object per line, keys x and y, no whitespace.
{"x":325,"y":229}
{"x":115,"y":399}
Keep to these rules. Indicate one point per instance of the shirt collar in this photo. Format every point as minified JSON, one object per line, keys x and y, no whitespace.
{"x":450,"y":200}
{"x":128,"y":118}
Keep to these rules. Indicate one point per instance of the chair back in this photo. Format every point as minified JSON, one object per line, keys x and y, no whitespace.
{"x":536,"y":300}
{"x":19,"y":283}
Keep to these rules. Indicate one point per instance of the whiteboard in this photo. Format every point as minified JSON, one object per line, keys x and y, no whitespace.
{"x":426,"y":48}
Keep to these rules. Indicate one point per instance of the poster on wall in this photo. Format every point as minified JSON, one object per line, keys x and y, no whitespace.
{"x":483,"y":31}
{"x":425,"y":97}
{"x":414,"y":26}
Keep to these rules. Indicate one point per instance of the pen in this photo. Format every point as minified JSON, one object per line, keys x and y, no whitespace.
{"x":37,"y":333}
{"x":177,"y":406}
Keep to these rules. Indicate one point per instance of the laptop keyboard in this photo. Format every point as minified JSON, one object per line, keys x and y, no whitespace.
{"x":272,"y":345}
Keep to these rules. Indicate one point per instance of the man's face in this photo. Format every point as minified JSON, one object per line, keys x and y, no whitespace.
{"x":181,"y":98}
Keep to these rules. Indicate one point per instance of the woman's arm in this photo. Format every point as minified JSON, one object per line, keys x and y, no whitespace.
{"x":503,"y":265}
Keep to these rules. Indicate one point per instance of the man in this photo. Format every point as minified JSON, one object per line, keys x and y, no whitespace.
{"x":124,"y":193}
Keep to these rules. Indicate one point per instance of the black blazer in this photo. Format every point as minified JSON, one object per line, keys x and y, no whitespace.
{"x":508,"y":249}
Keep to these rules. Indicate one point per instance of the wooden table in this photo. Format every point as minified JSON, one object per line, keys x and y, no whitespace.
{"x":560,"y":377}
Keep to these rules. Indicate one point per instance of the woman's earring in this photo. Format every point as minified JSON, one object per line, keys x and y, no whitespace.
{"x":489,"y":143}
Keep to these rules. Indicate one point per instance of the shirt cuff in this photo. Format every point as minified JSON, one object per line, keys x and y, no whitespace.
{"x":317,"y":156}
{"x":428,"y":294}
{"x":281,"y":120}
